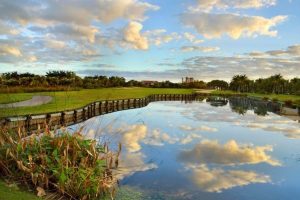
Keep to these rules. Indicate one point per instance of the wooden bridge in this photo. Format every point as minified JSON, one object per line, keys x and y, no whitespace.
{"x":70,"y":117}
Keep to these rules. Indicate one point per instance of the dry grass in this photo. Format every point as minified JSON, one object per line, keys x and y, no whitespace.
{"x":58,"y":164}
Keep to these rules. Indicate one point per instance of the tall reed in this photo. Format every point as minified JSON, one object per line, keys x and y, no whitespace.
{"x":66,"y":164}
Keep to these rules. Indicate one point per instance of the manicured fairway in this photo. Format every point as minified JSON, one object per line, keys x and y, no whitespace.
{"x":75,"y":99}
{"x":12,"y":98}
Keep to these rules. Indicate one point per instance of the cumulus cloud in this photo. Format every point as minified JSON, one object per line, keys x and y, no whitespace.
{"x":157,"y":138}
{"x":199,"y":48}
{"x":241,"y":4}
{"x":67,"y":22}
{"x":131,"y":163}
{"x":132,"y":35}
{"x":217,"y":180}
{"x":130,"y":9}
{"x":80,"y":12}
{"x":132,"y":136}
{"x":230,"y":153}
{"x":233,"y":25}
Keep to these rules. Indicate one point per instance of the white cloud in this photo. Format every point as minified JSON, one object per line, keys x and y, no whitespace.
{"x":132,"y":136}
{"x":68,"y":22}
{"x":10,"y":50}
{"x":233,"y":25}
{"x":293,"y":50}
{"x":129,"y":9}
{"x":201,"y":128}
{"x":192,"y":38}
{"x":217,"y":180}
{"x":239,"y":4}
{"x":189,"y":138}
{"x":131,"y":163}
{"x":55,"y":44}
{"x":80,"y":12}
{"x":199,"y":48}
{"x":75,"y":32}
{"x":160,"y":36}
{"x":157,"y":138}
{"x":230,"y":153}
{"x":132,"y":35}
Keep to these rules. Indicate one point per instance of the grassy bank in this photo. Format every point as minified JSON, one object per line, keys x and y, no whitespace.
{"x":13,"y":192}
{"x":280,"y":97}
{"x":74,"y":99}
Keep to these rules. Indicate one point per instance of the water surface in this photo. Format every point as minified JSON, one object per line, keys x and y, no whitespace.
{"x":205,"y":149}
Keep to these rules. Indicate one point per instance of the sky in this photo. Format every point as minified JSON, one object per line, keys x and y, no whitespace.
{"x":152,"y":39}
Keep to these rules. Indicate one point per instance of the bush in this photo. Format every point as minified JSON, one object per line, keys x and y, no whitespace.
{"x":275,"y":100}
{"x":69,"y":164}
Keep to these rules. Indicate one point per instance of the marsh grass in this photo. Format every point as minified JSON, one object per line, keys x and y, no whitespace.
{"x":60,"y":165}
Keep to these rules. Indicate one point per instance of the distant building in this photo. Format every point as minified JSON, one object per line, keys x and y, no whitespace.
{"x":188,"y":80}
{"x":148,"y":83}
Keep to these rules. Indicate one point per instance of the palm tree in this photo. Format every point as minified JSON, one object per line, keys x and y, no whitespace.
{"x":240,"y":83}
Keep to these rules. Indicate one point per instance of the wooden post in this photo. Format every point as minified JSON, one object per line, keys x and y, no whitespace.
{"x":88,"y":111}
{"x":62,"y":118}
{"x":95,"y":109}
{"x":100,"y":109}
{"x":83,"y":114}
{"x":106,"y":106}
{"x":28,"y":123}
{"x":48,"y":119}
{"x":75,"y":116}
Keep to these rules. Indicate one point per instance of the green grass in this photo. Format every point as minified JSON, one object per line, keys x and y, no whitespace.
{"x":14,"y":193}
{"x":11,"y":98}
{"x":74,"y":99}
{"x":280,"y":97}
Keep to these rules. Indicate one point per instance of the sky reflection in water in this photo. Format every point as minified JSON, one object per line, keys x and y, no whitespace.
{"x":203,"y":150}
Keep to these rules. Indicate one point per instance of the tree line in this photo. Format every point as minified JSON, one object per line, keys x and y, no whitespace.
{"x":240,"y":83}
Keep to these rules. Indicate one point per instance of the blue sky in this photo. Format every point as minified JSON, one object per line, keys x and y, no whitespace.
{"x":152,"y":39}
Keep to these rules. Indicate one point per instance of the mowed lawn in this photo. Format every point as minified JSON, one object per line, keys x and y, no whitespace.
{"x":66,"y":100}
{"x":279,"y":97}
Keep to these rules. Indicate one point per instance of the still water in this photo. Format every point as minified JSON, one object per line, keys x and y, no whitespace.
{"x":207,"y":149}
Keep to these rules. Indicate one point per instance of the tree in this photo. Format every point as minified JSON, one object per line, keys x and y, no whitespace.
{"x":240,"y":83}
{"x":217,"y":84}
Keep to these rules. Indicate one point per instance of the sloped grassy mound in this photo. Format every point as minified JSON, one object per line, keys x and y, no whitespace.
{"x":63,"y":164}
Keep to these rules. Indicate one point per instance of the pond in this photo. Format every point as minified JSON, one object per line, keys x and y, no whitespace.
{"x":206,"y":149}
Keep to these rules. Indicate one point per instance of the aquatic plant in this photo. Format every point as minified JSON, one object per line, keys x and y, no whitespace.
{"x":63,"y":164}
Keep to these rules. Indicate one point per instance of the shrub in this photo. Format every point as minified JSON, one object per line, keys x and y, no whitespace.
{"x":69,"y":164}
{"x":275,"y":100}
